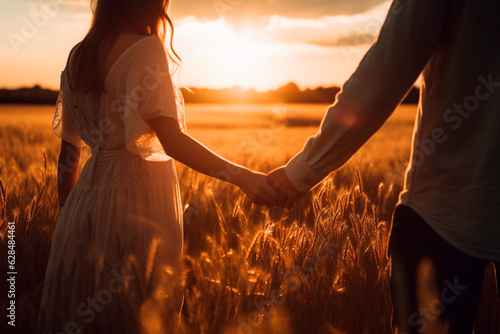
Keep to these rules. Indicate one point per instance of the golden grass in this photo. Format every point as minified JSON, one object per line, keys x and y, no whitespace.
{"x":321,"y":268}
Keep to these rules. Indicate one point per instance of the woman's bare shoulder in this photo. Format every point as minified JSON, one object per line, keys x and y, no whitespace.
{"x":126,"y":42}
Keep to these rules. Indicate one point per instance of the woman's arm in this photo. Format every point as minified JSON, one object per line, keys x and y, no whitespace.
{"x":67,"y":170}
{"x":190,"y":152}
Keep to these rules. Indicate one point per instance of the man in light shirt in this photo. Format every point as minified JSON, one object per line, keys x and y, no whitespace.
{"x":449,"y":209}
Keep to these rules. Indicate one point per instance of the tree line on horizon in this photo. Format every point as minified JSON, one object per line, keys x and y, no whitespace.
{"x":289,"y":93}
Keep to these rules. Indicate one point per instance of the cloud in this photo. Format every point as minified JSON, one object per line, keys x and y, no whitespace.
{"x":341,"y":30}
{"x":244,"y":10}
{"x":348,"y":40}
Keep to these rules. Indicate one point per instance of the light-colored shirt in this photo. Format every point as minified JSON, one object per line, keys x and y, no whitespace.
{"x":453,"y":178}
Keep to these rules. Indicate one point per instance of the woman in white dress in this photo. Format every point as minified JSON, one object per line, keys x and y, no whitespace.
{"x":115,"y":262}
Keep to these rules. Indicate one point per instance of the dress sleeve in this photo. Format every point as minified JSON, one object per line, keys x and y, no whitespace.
{"x":150,"y":93}
{"x":64,"y":124}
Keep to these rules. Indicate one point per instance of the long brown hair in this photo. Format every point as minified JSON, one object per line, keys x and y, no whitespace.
{"x":110,"y":18}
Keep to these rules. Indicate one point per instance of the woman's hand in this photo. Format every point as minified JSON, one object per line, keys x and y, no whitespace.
{"x":256,"y":187}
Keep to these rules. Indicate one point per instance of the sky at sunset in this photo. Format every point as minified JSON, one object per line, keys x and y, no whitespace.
{"x":260,"y":44}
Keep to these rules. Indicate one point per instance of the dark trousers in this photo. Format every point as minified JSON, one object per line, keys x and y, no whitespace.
{"x":435,"y":287}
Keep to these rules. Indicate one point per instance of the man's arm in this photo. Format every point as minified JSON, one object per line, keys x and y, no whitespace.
{"x":407,"y":40}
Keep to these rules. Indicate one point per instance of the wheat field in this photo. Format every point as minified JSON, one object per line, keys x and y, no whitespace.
{"x":321,"y":268}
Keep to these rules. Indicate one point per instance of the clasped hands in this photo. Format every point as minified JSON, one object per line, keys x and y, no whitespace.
{"x":274,"y":189}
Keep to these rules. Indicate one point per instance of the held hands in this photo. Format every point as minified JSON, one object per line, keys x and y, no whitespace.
{"x":275,"y":189}
{"x":280,"y":182}
{"x":255,"y":185}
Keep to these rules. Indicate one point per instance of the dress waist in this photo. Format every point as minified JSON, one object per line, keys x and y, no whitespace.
{"x":108,"y":155}
{"x":105,"y":155}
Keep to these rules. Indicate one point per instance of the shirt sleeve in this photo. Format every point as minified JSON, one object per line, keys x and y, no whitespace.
{"x":64,"y":124}
{"x":150,"y":93}
{"x":411,"y":32}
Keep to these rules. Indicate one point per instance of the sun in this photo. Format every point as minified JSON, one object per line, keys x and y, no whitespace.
{"x":237,"y":56}
{"x":223,"y":56}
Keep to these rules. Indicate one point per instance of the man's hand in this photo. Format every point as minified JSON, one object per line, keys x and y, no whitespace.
{"x":280,"y":182}
{"x":258,"y":190}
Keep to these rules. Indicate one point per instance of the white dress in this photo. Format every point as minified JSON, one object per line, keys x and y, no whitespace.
{"x":115,"y":260}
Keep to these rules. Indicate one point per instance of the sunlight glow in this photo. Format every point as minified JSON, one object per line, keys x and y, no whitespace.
{"x":228,"y":57}
{"x":264,"y":52}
